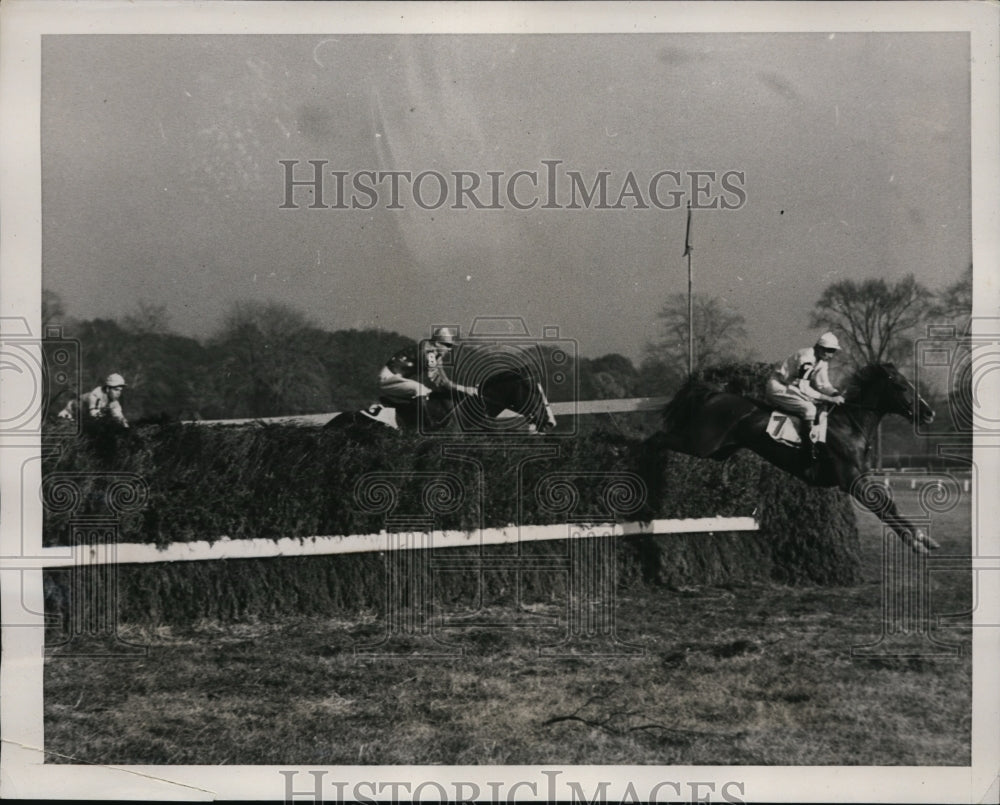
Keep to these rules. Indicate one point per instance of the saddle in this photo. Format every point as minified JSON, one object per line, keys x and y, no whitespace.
{"x":787,"y":429}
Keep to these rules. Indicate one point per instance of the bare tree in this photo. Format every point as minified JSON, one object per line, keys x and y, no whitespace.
{"x":149,"y":318}
{"x":955,"y":302}
{"x":877,"y":320}
{"x":955,"y":309}
{"x":53,"y":309}
{"x":719,"y":333}
{"x":266,"y":366}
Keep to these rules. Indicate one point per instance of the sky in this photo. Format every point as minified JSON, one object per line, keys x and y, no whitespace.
{"x":163,"y":181}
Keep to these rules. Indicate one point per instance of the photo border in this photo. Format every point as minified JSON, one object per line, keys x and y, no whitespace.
{"x":24,"y":22}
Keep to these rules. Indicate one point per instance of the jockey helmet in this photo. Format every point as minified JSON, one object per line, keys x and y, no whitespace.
{"x":828,"y":341}
{"x":114,"y":380}
{"x":444,"y":335}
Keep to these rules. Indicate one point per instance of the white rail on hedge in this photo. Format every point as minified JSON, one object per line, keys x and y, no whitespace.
{"x":225,"y":548}
{"x":571,"y":408}
{"x":919,"y":478}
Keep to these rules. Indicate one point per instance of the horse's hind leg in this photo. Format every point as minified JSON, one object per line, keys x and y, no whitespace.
{"x":878,"y":500}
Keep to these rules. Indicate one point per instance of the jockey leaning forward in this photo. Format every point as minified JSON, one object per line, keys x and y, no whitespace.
{"x":100,"y":407}
{"x":413,"y":374}
{"x":801,"y":381}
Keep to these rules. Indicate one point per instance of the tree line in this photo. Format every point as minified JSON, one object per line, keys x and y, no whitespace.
{"x":270,"y":359}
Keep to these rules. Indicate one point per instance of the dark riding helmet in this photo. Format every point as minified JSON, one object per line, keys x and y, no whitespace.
{"x":445,"y":335}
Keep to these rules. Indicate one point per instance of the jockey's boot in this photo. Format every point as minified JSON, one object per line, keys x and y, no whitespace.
{"x":815,"y":432}
{"x":808,"y":448}
{"x":407,"y":415}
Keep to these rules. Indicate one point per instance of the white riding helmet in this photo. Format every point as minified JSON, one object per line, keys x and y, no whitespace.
{"x":445,"y":335}
{"x":114,"y":380}
{"x":828,"y":341}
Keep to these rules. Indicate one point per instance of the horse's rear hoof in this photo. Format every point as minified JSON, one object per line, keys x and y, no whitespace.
{"x":924,"y":546}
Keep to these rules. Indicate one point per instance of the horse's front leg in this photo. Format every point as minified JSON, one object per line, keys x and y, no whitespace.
{"x":878,"y":500}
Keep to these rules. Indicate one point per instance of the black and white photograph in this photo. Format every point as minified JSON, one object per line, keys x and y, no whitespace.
{"x":490,"y":402}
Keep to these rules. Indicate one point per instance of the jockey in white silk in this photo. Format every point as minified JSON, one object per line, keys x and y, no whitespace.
{"x":101,"y":405}
{"x":802,"y":380}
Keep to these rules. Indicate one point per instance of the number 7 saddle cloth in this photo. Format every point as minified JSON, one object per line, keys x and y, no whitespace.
{"x":787,"y":428}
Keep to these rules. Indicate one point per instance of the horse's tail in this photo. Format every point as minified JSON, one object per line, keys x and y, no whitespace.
{"x":650,"y":459}
{"x":341,"y":420}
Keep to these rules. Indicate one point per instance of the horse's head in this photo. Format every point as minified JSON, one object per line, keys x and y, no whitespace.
{"x":883,"y":387}
{"x":517,"y":390}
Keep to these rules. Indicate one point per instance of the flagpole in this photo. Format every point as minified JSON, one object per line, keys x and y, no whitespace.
{"x":688,"y":248}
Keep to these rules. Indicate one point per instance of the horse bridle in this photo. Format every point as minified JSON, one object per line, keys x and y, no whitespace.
{"x":869,"y":433}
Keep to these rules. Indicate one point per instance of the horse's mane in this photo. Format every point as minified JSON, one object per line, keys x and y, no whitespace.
{"x":695,"y":391}
{"x":521,"y":372}
{"x":513,"y":372}
{"x":864,"y":376}
{"x":497,"y":383}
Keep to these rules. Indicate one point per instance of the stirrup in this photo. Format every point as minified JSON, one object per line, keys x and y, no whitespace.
{"x":810,"y":449}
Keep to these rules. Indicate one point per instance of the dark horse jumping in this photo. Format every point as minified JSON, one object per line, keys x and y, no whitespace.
{"x":705,"y":422}
{"x":505,"y":390}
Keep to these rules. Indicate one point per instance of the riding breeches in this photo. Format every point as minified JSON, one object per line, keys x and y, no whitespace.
{"x":398,"y":388}
{"x":790,"y":399}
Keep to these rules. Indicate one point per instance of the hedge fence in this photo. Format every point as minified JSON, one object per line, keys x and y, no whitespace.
{"x":204,"y":483}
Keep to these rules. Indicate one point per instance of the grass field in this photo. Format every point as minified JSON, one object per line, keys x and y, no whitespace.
{"x":759,"y":675}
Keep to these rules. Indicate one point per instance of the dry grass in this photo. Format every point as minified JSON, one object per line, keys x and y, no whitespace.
{"x":752,"y":675}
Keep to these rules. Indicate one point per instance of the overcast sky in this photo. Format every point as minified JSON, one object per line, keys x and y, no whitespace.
{"x":162,"y":177}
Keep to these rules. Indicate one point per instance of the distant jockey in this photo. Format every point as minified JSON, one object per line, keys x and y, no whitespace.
{"x":797,"y":384}
{"x":416,"y":372}
{"x":101,"y":406}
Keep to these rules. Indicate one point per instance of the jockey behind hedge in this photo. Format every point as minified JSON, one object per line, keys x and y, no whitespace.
{"x":100,"y":407}
{"x":414,"y":373}
{"x":802,"y":380}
